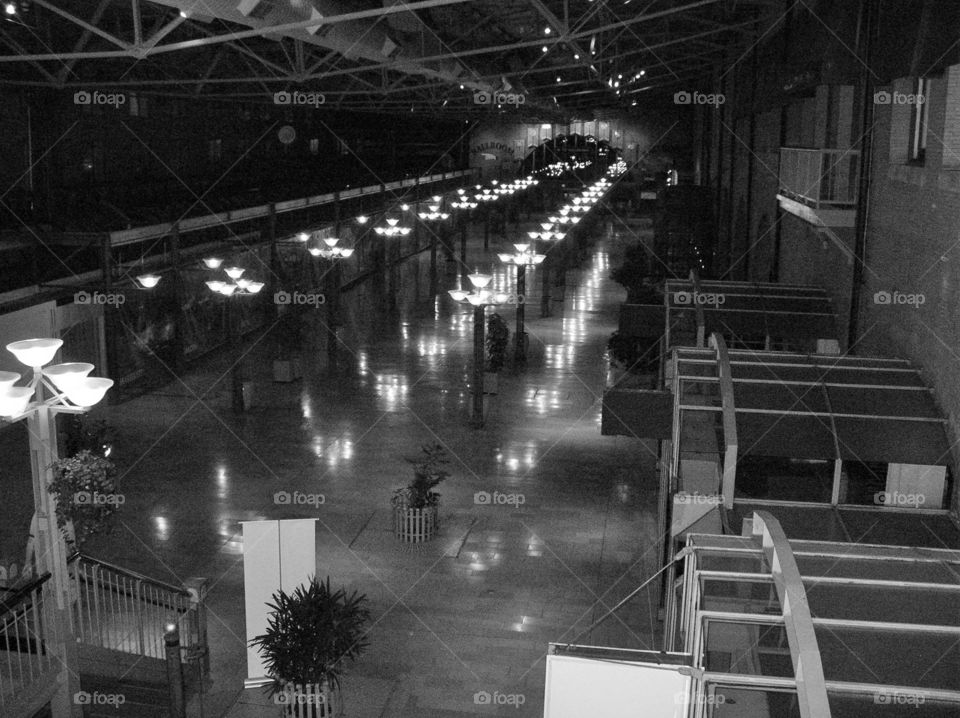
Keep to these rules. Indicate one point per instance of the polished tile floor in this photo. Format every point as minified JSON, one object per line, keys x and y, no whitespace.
{"x":473,"y":610}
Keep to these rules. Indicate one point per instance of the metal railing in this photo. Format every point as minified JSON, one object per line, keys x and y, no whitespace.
{"x":820,"y":177}
{"x":25,"y":659}
{"x":125,"y":611}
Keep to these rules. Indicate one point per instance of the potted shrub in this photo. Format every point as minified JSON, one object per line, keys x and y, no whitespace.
{"x":84,"y":486}
{"x":416,"y":505}
{"x":498,"y":337}
{"x":286,"y":367}
{"x":311,"y":633}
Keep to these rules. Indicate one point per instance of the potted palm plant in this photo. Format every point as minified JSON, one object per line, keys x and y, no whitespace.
{"x":311,"y":633}
{"x":498,"y":337}
{"x":416,"y":505}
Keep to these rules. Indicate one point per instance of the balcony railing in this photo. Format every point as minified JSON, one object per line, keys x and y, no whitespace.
{"x":28,"y":658}
{"x":820,"y":177}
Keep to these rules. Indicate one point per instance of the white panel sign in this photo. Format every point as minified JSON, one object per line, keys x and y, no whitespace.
{"x":298,"y":553}
{"x":276,"y":555}
{"x":578,"y":687}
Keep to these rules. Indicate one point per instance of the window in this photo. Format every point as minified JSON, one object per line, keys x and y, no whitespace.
{"x":918,"y":120}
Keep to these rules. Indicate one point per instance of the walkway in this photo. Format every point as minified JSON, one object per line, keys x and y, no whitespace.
{"x":475,"y":609}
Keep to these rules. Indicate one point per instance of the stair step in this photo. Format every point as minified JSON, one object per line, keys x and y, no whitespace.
{"x":124,"y":699}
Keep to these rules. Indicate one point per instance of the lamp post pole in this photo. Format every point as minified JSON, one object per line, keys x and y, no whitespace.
{"x":524,"y":256}
{"x":236,"y":379}
{"x":520,"y":349}
{"x":480,"y":298}
{"x":239,"y":286}
{"x":479,"y":339}
{"x":332,"y":301}
{"x":72,"y":392}
{"x":332,"y":253}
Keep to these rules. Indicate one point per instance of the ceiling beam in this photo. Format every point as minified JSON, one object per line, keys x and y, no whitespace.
{"x":82,"y":42}
{"x":83,"y":23}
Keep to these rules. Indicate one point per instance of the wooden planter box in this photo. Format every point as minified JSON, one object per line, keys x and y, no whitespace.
{"x":415,"y":525}
{"x":308,"y":701}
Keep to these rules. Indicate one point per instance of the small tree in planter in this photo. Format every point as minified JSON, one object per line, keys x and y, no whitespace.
{"x":416,"y":506}
{"x":85,"y":489}
{"x":498,"y":337}
{"x":310,"y":634}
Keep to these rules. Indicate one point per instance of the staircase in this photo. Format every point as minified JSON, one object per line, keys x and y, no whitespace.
{"x":119,"y":621}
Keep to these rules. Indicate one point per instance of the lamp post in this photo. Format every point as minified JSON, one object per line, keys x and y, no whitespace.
{"x":546,"y":235}
{"x":392,"y":228}
{"x":486,"y":197}
{"x":57,"y":389}
{"x":433,"y":215}
{"x":239,"y":286}
{"x":480,"y":298}
{"x":333,"y":254}
{"x":464,"y":203}
{"x":522,"y":258}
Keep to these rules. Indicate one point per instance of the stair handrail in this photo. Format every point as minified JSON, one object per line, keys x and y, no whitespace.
{"x":13,"y":597}
{"x":181,"y":590}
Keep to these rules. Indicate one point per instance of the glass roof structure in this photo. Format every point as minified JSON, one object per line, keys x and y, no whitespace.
{"x":784,"y":627}
{"x":747,"y":314}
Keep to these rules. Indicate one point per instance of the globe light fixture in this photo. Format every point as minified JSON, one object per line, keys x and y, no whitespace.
{"x":148,"y":281}
{"x":392,"y":229}
{"x":65,"y":382}
{"x":234,"y":272}
{"x":35,"y":352}
{"x":212,"y":262}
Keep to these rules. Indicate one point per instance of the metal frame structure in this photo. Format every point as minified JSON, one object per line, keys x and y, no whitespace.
{"x":422,"y":55}
{"x":789,"y":568}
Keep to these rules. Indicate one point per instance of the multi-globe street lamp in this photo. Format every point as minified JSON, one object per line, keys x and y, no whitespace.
{"x":333,"y":253}
{"x":57,"y":389}
{"x":521,"y":259}
{"x":391,"y":228}
{"x":238,"y":286}
{"x":486,"y":197}
{"x":436,"y":216}
{"x":467,"y":204}
{"x":546,"y":234}
{"x":480,"y":298}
